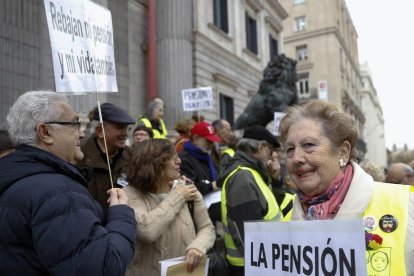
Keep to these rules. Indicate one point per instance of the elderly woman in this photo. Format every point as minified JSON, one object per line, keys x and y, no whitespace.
{"x":165,"y":227}
{"x":320,"y":144}
{"x":153,"y":118}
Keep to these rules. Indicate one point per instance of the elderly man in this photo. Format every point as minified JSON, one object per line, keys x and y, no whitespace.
{"x":226,"y":146}
{"x":115,"y":126}
{"x":245,"y":193}
{"x":400,"y":173}
{"x":50,"y":223}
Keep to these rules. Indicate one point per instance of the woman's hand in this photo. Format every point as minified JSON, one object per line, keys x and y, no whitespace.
{"x":193,"y":258}
{"x":189,"y":192}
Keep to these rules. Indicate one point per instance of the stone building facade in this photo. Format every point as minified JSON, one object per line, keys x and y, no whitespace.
{"x":373,"y":131}
{"x":222,"y":44}
{"x":321,"y":36}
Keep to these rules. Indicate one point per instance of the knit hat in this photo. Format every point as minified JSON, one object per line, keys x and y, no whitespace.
{"x":260,"y":133}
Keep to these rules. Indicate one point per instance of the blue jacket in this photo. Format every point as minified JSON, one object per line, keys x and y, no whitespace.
{"x":50,"y":225}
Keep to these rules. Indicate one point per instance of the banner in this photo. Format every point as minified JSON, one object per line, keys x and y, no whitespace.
{"x":197,"y":98}
{"x":277,"y":117}
{"x":82,"y":44}
{"x":317,"y":247}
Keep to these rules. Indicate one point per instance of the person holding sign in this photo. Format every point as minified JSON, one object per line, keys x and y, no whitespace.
{"x":115,"y":128}
{"x":245,"y":192}
{"x":160,"y":197}
{"x":320,"y":143}
{"x":153,"y":118}
{"x":50,"y":223}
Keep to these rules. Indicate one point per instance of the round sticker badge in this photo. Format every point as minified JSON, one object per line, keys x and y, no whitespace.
{"x":388,"y":223}
{"x":370,"y":223}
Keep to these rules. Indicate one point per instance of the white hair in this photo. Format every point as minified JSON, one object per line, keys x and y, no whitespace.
{"x":31,"y":108}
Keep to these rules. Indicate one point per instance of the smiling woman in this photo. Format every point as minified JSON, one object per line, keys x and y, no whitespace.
{"x":165,"y":226}
{"x":320,"y":145}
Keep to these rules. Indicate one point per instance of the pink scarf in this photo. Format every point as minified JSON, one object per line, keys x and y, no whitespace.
{"x":327,"y":205}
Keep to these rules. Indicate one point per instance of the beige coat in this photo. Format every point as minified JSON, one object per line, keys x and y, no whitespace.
{"x":356,"y":202}
{"x":165,"y":230}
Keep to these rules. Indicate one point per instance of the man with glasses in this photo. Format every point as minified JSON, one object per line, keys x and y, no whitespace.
{"x":50,"y":223}
{"x":400,"y":173}
{"x":246,"y":194}
{"x":115,"y":126}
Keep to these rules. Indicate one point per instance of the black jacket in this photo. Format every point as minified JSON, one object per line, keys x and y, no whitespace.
{"x":197,"y":170}
{"x":50,"y":225}
{"x":244,"y":199}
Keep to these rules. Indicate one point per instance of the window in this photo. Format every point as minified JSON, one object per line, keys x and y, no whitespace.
{"x":297,"y":2}
{"x":226,"y":108}
{"x":300,"y":23}
{"x":273,"y":47}
{"x":303,"y":86}
{"x":220,"y":15}
{"x":251,"y":34}
{"x":302,"y":52}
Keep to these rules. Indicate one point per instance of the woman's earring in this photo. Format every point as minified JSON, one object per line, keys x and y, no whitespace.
{"x":341,"y":163}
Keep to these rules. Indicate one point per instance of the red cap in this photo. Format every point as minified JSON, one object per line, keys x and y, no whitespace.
{"x":205,"y":130}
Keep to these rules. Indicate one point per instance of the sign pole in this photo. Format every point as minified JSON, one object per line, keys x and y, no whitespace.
{"x":103,"y":131}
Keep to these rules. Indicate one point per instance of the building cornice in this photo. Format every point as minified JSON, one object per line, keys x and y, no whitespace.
{"x":278,"y":9}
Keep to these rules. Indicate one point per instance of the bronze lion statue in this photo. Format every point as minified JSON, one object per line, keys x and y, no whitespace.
{"x":277,"y":91}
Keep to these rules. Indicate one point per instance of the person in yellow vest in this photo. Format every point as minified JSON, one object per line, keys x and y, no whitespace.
{"x":246,"y":194}
{"x":284,"y":196}
{"x":320,"y":144}
{"x":153,"y":118}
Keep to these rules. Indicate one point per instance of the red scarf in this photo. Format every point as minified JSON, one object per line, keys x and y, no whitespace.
{"x":327,"y":205}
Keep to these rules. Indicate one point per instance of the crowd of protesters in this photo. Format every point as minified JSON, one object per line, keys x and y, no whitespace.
{"x":118,"y":202}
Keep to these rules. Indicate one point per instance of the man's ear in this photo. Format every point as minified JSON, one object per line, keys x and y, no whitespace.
{"x":44,"y":135}
{"x":98,"y":131}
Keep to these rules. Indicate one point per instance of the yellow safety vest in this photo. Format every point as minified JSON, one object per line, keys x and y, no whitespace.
{"x":228,"y":151}
{"x":156,"y":132}
{"x":233,"y":256}
{"x":287,"y":206}
{"x":391,"y":200}
{"x":389,"y":259}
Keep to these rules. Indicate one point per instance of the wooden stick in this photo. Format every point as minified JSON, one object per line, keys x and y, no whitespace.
{"x":103,"y":131}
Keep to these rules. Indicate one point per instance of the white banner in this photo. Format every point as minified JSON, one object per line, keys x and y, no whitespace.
{"x":82,"y":43}
{"x":197,"y":98}
{"x":318,"y":247}
{"x":277,"y":117}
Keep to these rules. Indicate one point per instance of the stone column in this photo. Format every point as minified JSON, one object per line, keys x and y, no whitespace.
{"x":174,"y":55}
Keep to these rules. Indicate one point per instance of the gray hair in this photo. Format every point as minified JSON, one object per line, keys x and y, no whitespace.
{"x":249,"y":145}
{"x":31,"y":108}
{"x":151,"y":106}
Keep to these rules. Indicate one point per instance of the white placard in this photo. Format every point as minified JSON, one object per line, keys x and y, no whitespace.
{"x":323,"y":90}
{"x":82,"y":43}
{"x":316,"y":247}
{"x":197,"y":98}
{"x":180,"y":261}
{"x":212,"y":198}
{"x":277,"y":116}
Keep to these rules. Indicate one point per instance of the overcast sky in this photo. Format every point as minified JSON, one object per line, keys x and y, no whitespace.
{"x":385,"y":38}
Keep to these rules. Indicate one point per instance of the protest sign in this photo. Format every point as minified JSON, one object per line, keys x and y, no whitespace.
{"x":277,"y":117}
{"x":197,"y":98}
{"x":317,"y":247}
{"x":82,"y":44}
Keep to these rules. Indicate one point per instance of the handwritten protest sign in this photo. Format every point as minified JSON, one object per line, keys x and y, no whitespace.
{"x":82,"y":43}
{"x":197,"y":98}
{"x":318,"y":247}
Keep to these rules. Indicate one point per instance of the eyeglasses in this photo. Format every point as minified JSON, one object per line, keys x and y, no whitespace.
{"x":76,"y":123}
